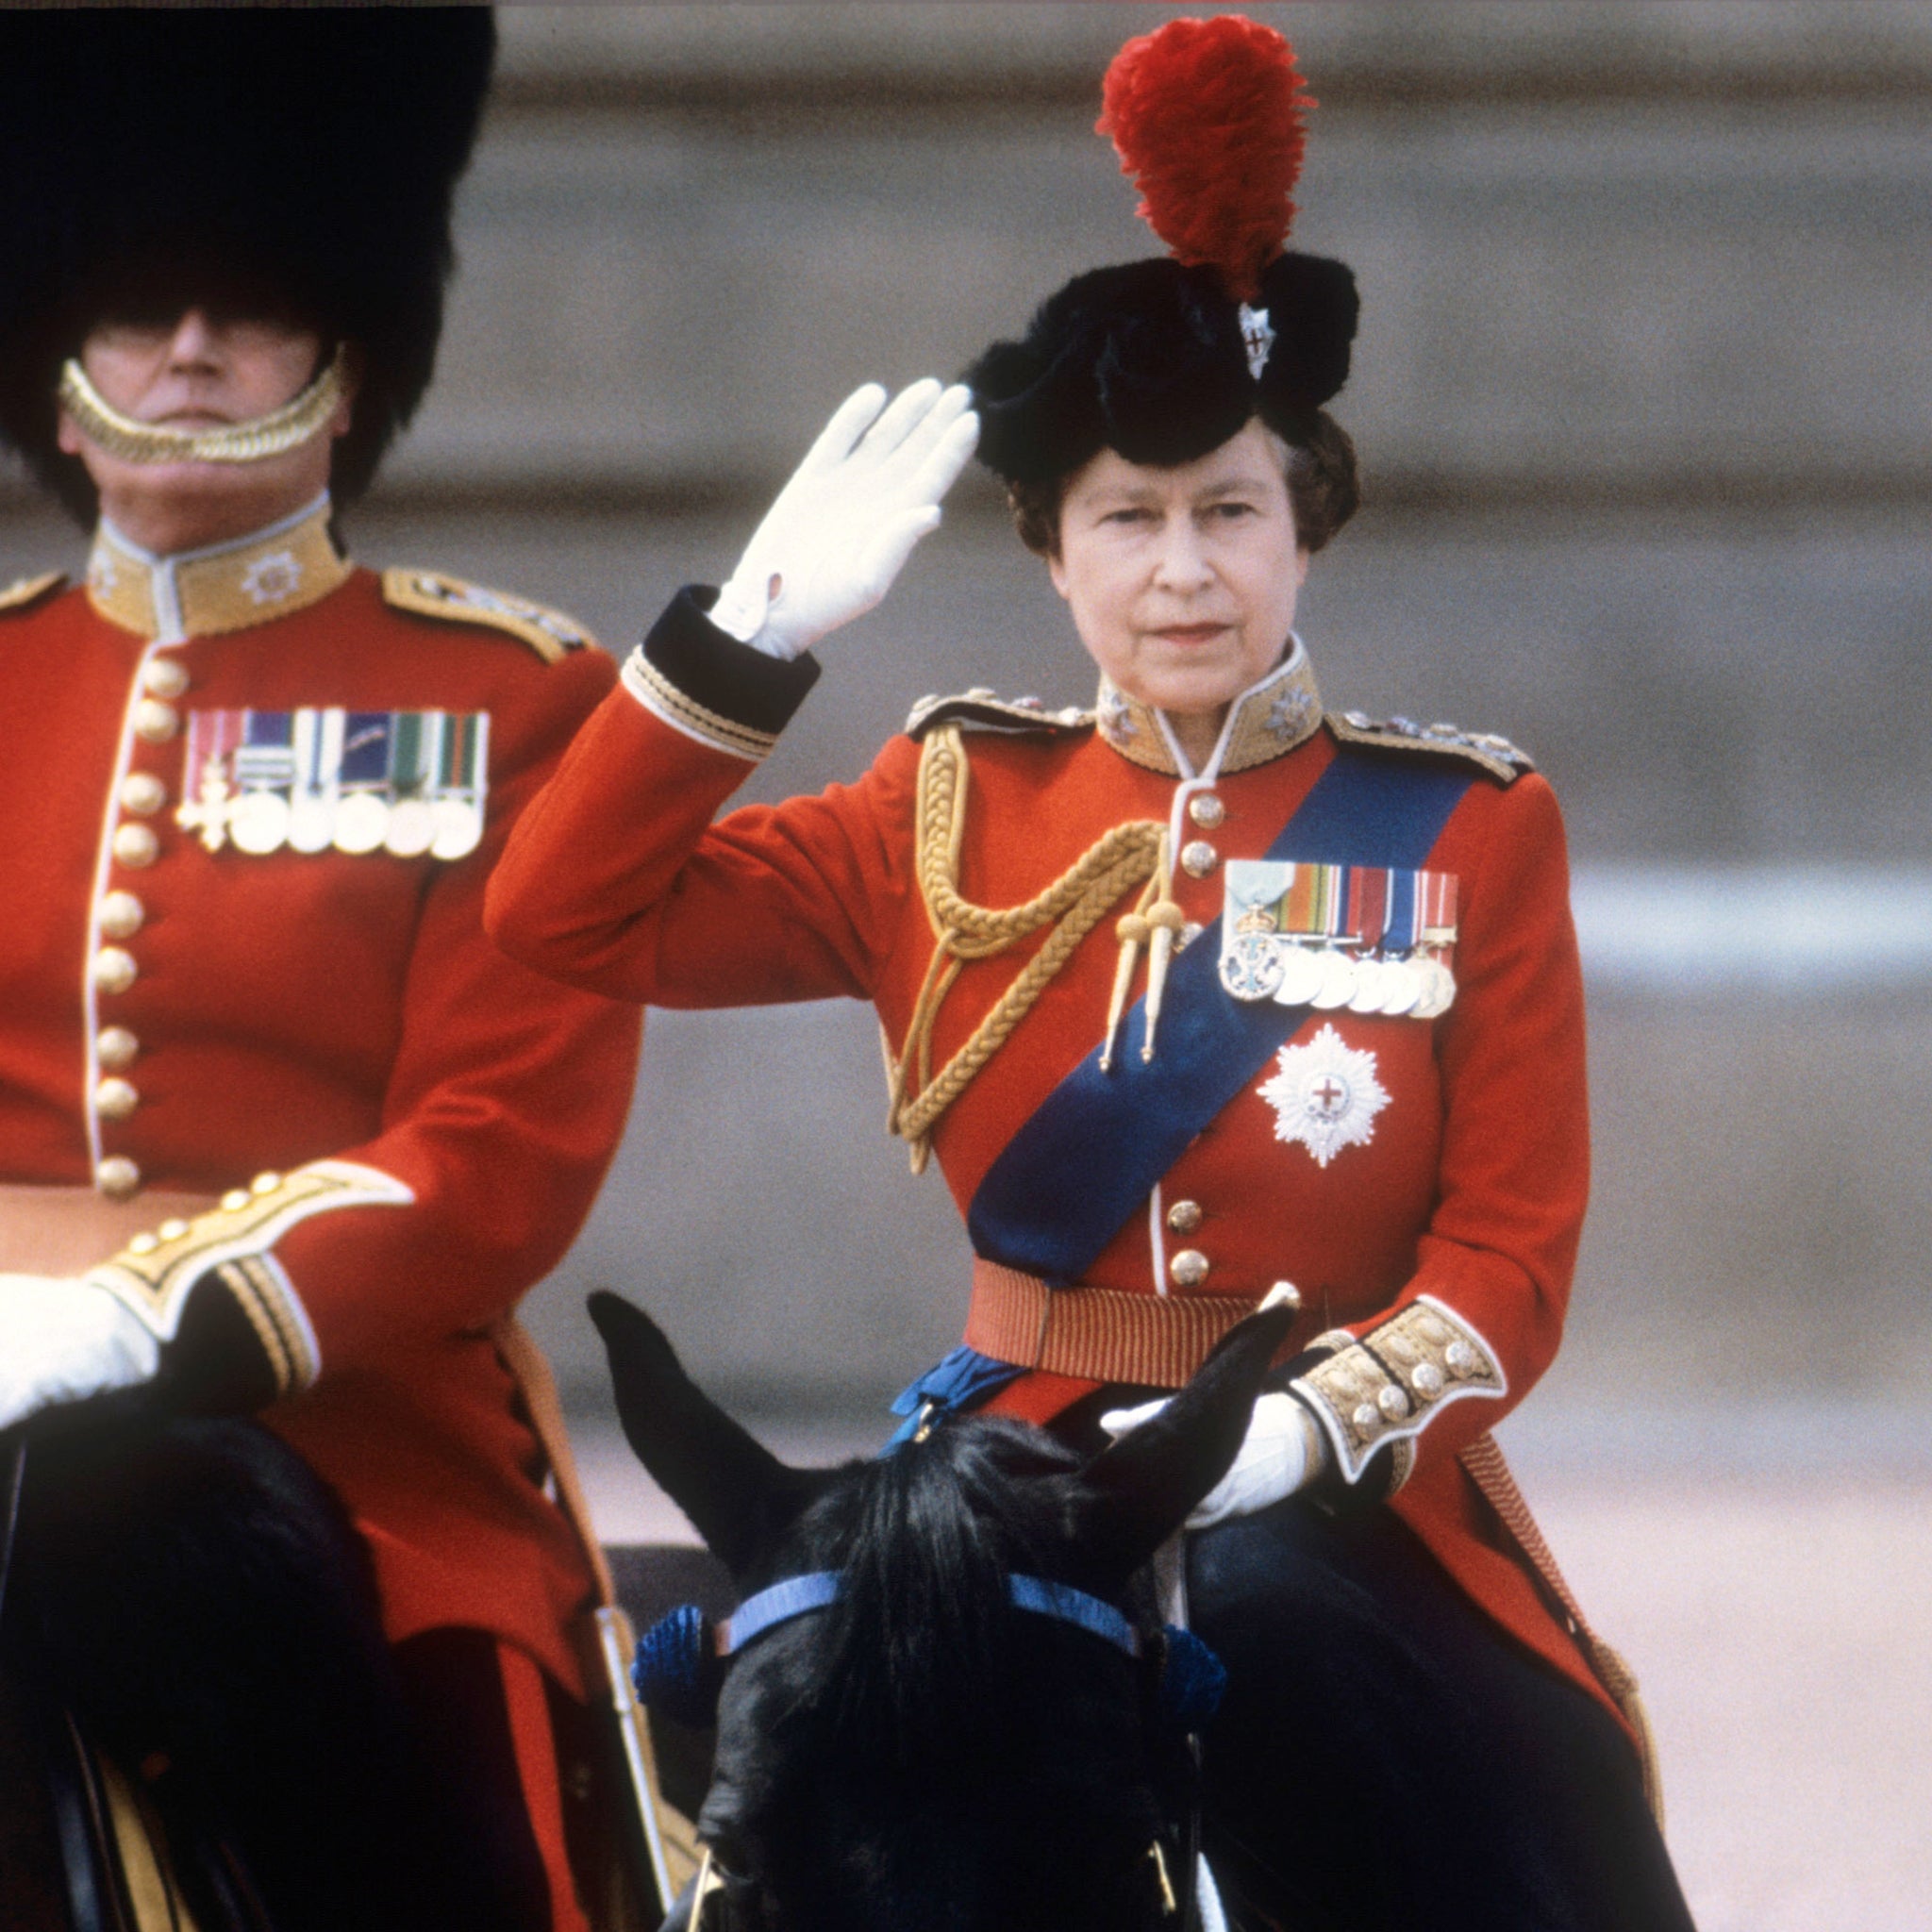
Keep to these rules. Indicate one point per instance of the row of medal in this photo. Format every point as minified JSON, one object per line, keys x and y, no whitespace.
{"x":1369,"y":938}
{"x":408,"y":783}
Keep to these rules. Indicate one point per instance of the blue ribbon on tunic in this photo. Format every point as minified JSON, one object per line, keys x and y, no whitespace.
{"x":1086,"y":1161}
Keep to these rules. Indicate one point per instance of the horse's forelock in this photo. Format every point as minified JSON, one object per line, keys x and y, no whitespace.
{"x":922,"y":1625}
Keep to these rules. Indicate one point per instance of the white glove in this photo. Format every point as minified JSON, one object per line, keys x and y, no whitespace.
{"x":63,"y":1340}
{"x":843,"y":526}
{"x":1282,"y":1451}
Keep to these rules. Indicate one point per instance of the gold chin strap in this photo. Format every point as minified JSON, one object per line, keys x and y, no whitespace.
{"x":1074,"y":905}
{"x":253,"y":441}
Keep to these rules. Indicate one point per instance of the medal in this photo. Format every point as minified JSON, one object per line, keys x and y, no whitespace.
{"x":361,"y":823}
{"x":1402,"y":987}
{"x":1338,"y":980}
{"x":1325,"y":1094}
{"x":1371,"y":980}
{"x":1251,"y":966}
{"x":1301,"y":977}
{"x":259,"y":822}
{"x":459,"y":828}
{"x":412,"y":828}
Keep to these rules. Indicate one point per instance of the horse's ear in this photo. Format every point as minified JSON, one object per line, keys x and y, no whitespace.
{"x":739,"y":1497}
{"x":1136,"y":1495}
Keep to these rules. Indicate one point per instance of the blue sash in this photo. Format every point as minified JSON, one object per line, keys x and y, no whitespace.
{"x":1093,"y":1150}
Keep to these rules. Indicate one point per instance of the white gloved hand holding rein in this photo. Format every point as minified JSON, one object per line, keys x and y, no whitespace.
{"x":843,"y":526}
{"x":63,"y":1340}
{"x":1283,"y":1452}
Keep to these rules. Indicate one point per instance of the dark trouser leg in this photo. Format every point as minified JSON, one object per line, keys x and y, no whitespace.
{"x":198,"y":1598}
{"x":1384,"y":1757}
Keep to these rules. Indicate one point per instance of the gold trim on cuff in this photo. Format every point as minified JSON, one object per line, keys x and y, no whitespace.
{"x":664,"y":700}
{"x":1383,"y":1389}
{"x":154,"y":1274}
{"x":268,"y":1299}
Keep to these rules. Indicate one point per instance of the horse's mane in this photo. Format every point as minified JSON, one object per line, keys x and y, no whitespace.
{"x":921,"y":1627}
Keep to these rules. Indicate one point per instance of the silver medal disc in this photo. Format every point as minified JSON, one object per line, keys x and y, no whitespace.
{"x":1251,"y":967}
{"x":1402,"y":986}
{"x":258,"y":821}
{"x":459,"y":828}
{"x":1439,"y":990}
{"x":361,"y":821}
{"x":311,"y":823}
{"x":1301,"y":977}
{"x":1337,"y":982}
{"x":1370,"y":987}
{"x":412,"y":828}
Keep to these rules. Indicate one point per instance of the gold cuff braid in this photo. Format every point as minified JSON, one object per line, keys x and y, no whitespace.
{"x":1384,"y":1389}
{"x":252,"y":442}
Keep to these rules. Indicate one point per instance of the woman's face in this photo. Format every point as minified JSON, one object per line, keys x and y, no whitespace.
{"x":1182,"y":582}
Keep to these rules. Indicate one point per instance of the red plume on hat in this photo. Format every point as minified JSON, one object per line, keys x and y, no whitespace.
{"x":1206,"y":118}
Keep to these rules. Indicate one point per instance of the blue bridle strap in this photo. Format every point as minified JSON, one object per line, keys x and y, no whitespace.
{"x":778,"y":1605}
{"x":798,"y":1595}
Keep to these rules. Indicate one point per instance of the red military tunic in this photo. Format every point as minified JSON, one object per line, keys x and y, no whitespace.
{"x":1466,"y":1185}
{"x":192,"y":1002}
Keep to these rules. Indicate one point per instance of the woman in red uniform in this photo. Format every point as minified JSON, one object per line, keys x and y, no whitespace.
{"x":1206,"y":993}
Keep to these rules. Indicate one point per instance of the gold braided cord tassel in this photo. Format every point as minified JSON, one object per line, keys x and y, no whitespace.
{"x":1074,"y":905}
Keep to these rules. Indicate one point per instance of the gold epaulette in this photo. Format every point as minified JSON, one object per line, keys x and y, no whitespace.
{"x":1496,"y":755}
{"x":981,"y":710}
{"x":28,"y":592}
{"x":430,"y":593}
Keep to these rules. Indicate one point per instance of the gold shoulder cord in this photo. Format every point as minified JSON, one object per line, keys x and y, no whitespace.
{"x":1074,"y":904}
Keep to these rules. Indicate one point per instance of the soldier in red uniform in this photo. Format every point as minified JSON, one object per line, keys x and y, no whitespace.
{"x":1206,"y":994}
{"x":281,"y":1133}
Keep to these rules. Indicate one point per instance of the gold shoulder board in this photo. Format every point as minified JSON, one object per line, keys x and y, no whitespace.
{"x":28,"y":592}
{"x":1493,"y":753}
{"x":979,"y":708}
{"x":430,"y":593}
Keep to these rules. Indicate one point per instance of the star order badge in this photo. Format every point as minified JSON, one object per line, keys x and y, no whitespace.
{"x":1325,"y":1094}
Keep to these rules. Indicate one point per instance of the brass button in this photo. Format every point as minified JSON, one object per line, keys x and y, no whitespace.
{"x":121,"y":915}
{"x":115,"y":969}
{"x":1198,"y":858}
{"x":143,"y":793}
{"x":1460,"y":1358}
{"x":265,"y":1183}
{"x":1287,"y":1295}
{"x":172,"y":1230}
{"x":117,"y":1178}
{"x":235,"y":1200}
{"x":1205,"y":808}
{"x":1392,"y":1402}
{"x":115,"y":1098}
{"x":155,"y":720}
{"x":115,"y":1047}
{"x":165,"y":677}
{"x":135,"y":845}
{"x":1189,"y":1269}
{"x":1184,"y":1217}
{"x":1367,"y":1419}
{"x":1426,"y":1378}
{"x":143,"y":1243}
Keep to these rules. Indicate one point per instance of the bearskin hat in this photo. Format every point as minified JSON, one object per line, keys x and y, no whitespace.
{"x":293,"y":162}
{"x":1164,"y":360}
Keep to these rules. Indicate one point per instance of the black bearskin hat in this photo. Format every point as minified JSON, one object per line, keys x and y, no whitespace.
{"x":1150,"y":357}
{"x":294,"y":162}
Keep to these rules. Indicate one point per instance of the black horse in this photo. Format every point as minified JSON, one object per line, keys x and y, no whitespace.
{"x":920,"y":1753}
{"x":189,"y":1636}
